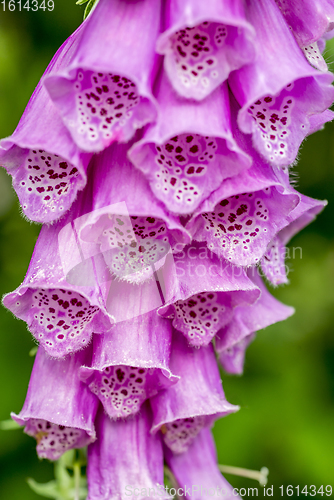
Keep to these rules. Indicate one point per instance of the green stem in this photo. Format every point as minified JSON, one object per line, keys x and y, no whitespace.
{"x":261,"y":475}
{"x":77,"y":473}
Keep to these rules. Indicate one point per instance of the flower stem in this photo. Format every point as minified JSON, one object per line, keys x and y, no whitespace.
{"x":170,"y":476}
{"x":261,"y":475}
{"x":77,"y":472}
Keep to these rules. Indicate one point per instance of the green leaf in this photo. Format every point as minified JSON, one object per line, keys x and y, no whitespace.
{"x":48,"y":490}
{"x":89,"y":7}
{"x":81,"y":2}
{"x":65,"y":486}
{"x":9,"y":425}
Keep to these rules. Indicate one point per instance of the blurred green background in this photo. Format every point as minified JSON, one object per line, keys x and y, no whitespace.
{"x":287,"y":391}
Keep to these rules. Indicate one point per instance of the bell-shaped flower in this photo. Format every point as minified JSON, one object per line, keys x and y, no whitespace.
{"x":131,"y":227}
{"x":59,"y":410}
{"x":317,"y":122}
{"x":280,"y":90}
{"x":47,"y":167}
{"x":201,"y":292}
{"x":203,"y":42}
{"x":195,"y":401}
{"x":233,"y":358}
{"x":191,"y":149}
{"x":273,"y":262}
{"x":126,"y":460}
{"x":308,"y":19}
{"x":233,"y":339}
{"x":77,"y":263}
{"x":130,"y":363}
{"x":62,"y":316}
{"x":104,"y":93}
{"x":196,"y":470}
{"x":245,"y":213}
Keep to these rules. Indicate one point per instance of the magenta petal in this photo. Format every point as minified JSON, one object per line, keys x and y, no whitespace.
{"x":201,"y":292}
{"x":104,"y":93}
{"x":317,"y":122}
{"x":273,"y":261}
{"x":130,"y":364}
{"x":197,"y":399}
{"x":191,"y":149}
{"x":280,"y":90}
{"x":132,"y":229}
{"x":232,"y":359}
{"x":241,"y":226}
{"x":203,"y":43}
{"x":196,"y":470}
{"x":59,"y":411}
{"x":48,"y":169}
{"x":125,"y":456}
{"x":60,"y":315}
{"x":304,"y":213}
{"x":313,"y":55}
{"x":308,"y":19}
{"x":249,"y":319}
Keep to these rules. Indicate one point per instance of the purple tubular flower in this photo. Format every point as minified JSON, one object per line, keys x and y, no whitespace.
{"x":309,"y":20}
{"x":273,"y":261}
{"x":303,"y":214}
{"x":317,"y":122}
{"x":126,"y":460}
{"x":60,"y":315}
{"x":280,"y":90}
{"x":241,"y":217}
{"x":182,"y":410}
{"x":233,"y":358}
{"x":191,"y":149}
{"x":203,"y":43}
{"x":70,"y":283}
{"x":48,"y":169}
{"x":196,"y":470}
{"x":104,"y":94}
{"x":131,"y":245}
{"x":313,"y":55}
{"x":234,"y":338}
{"x":202,"y":291}
{"x":130,"y":364}
{"x":59,"y":410}
{"x":326,"y":36}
